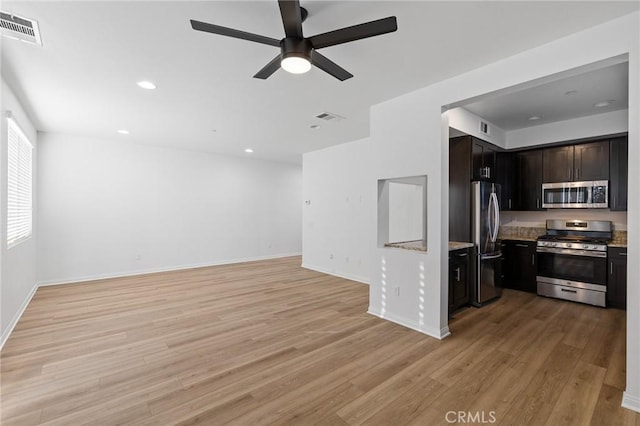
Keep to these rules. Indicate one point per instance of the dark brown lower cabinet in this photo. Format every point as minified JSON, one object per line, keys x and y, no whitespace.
{"x":461,"y":277}
{"x":519,"y":265}
{"x":617,"y":279}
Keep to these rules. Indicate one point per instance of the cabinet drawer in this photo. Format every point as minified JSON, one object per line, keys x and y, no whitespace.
{"x":574,"y":294}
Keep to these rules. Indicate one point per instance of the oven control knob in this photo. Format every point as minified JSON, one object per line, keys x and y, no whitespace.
{"x":586,"y":247}
{"x":569,"y":245}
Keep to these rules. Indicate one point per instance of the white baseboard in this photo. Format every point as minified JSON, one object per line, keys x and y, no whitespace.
{"x":75,"y":280}
{"x":631,"y":402}
{"x":405,"y":322}
{"x":346,"y":276}
{"x":14,"y":321}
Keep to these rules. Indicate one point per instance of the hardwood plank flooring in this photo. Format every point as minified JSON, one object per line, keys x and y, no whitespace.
{"x":271,"y":343}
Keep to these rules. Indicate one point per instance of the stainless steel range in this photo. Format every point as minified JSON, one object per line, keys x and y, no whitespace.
{"x":572,"y":260}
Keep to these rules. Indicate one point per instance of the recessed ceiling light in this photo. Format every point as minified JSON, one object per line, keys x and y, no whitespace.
{"x":314,"y":126}
{"x":147,"y":85}
{"x":603,"y":104}
{"x":534,"y":118}
{"x":123,"y":132}
{"x":571,"y":92}
{"x":248,"y":150}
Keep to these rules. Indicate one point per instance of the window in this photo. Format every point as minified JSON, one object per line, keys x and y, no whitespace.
{"x":19,"y":185}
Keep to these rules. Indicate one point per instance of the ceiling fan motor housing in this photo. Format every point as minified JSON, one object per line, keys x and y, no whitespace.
{"x":293,"y":46}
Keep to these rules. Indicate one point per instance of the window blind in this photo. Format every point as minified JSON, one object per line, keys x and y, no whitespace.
{"x":19,"y":185}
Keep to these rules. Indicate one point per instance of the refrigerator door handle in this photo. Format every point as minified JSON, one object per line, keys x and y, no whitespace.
{"x":493,"y":227}
{"x":489,"y":217}
{"x":497,"y":222}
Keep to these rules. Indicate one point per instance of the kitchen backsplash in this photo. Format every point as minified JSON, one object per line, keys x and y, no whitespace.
{"x":530,"y":225}
{"x":538,"y":219}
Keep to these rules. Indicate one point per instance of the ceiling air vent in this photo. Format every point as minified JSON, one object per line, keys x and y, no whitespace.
{"x":19,"y":28}
{"x":328,"y":116}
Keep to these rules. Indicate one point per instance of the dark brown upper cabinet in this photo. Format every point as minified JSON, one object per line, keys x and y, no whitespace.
{"x":557,"y":163}
{"x":468,"y":156}
{"x":591,"y":161}
{"x":573,"y":163}
{"x":506,"y":177}
{"x":529,"y":185}
{"x":484,"y":161}
{"x":618,"y":169}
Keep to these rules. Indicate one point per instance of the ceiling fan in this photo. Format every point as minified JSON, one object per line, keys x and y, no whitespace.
{"x":297,"y":52}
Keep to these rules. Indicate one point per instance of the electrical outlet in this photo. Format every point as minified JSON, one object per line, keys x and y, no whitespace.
{"x":331,"y":256}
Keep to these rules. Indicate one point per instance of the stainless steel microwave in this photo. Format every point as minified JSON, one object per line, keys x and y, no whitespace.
{"x":576,"y":195}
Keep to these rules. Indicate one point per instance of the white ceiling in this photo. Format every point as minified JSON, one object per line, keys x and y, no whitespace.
{"x":83,"y":80}
{"x":563,"y":99}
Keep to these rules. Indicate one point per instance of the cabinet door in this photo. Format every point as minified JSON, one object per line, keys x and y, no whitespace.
{"x":489,"y":163}
{"x":530,"y":180}
{"x":459,"y":279}
{"x":525,"y":262}
{"x":591,"y":161}
{"x":483,"y":161}
{"x":460,"y":178}
{"x":505,"y":177}
{"x":451,"y":285}
{"x":618,"y":169}
{"x":476,"y":160}
{"x":507,"y":265}
{"x":617,"y":280}
{"x":557,"y":164}
{"x":520,"y":265}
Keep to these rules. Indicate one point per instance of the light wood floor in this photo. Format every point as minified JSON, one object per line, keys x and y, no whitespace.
{"x":271,"y":343}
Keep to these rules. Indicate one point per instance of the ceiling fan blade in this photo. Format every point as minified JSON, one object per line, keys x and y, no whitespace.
{"x":330,"y":67}
{"x":230,"y":32}
{"x":356,"y":32}
{"x":269,"y":69}
{"x":291,"y":17}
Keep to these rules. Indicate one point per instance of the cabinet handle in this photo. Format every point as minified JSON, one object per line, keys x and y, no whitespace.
{"x":522,"y":245}
{"x":568,"y":291}
{"x":577,"y":173}
{"x":458,"y":274}
{"x":509,"y":203}
{"x":533,"y":259}
{"x":611,"y":268}
{"x":624,"y":253}
{"x":537,"y":203}
{"x":461,"y":254}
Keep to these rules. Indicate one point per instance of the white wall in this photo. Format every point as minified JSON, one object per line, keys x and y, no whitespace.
{"x":584,"y":127}
{"x":409,"y":136}
{"x":469,"y":123}
{"x":406,"y":212}
{"x":339,"y":216}
{"x":109,"y":208}
{"x":17,"y":264}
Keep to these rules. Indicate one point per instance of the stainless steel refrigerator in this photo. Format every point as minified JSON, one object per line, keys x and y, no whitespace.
{"x":485,"y":223}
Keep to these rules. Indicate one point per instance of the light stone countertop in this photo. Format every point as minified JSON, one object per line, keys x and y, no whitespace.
{"x":456,"y":245}
{"x":417,"y":245}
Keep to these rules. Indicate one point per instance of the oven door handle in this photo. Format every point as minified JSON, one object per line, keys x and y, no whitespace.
{"x":572,"y":252}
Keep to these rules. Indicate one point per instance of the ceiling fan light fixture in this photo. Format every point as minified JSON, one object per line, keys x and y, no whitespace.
{"x":295,"y":64}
